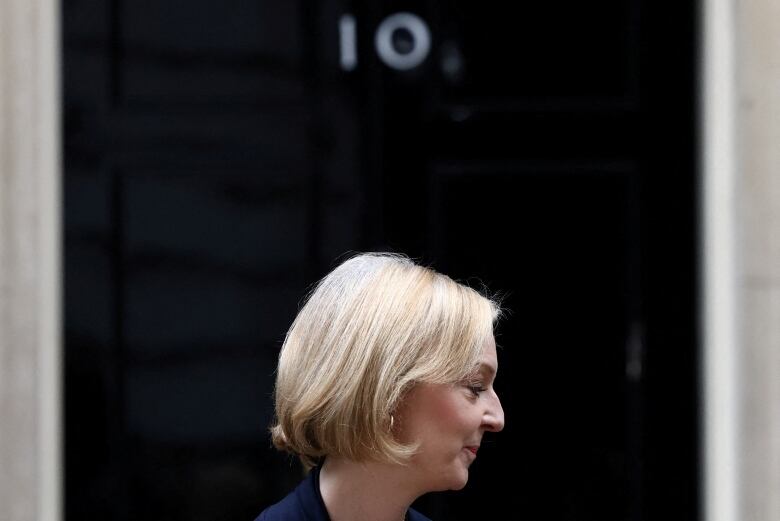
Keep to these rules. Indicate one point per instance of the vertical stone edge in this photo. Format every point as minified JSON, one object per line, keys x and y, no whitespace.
{"x":30,"y":261}
{"x":758,"y":121}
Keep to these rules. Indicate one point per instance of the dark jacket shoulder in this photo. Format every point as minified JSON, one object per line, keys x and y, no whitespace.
{"x":305,"y":504}
{"x":302,"y":504}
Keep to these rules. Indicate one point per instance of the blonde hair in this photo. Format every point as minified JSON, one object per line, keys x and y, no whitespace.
{"x":370,"y":330}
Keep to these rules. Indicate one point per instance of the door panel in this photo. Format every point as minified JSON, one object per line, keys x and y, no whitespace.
{"x":550,"y":52}
{"x":560,"y":237}
{"x":237,"y":52}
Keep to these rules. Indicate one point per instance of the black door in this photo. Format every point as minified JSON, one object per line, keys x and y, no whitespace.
{"x":220,"y":157}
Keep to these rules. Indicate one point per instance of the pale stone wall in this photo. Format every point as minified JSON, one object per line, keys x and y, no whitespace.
{"x":741,"y":259}
{"x":758,"y":244}
{"x":30,"y":353}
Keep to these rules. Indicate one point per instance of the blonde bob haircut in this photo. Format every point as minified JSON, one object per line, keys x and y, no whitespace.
{"x":371,"y":329}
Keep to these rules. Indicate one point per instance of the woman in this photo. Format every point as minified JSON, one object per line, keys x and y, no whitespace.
{"x":385,"y":388}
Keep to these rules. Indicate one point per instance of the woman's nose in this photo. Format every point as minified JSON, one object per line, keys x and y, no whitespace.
{"x":494,"y":415}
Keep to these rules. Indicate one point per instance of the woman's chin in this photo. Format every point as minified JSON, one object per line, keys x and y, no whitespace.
{"x":459,"y":481}
{"x":460,"y":486}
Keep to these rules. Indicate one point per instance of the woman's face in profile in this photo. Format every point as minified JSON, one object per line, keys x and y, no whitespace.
{"x":448,"y":422}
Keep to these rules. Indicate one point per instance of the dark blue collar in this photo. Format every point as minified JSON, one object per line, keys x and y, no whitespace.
{"x":310,"y":500}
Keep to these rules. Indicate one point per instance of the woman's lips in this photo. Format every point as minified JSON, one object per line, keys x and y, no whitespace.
{"x":473,"y":450}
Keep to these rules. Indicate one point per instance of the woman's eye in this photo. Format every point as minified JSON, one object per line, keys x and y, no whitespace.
{"x":476,"y":389}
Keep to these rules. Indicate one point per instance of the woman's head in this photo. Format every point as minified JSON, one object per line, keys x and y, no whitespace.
{"x":370,"y":331}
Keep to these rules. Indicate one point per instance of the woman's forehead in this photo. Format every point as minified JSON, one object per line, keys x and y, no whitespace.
{"x":489,"y":356}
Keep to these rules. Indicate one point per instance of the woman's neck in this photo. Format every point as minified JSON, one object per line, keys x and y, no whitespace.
{"x":366,"y":491}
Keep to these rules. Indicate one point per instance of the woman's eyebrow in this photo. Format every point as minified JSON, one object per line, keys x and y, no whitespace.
{"x":491,"y":371}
